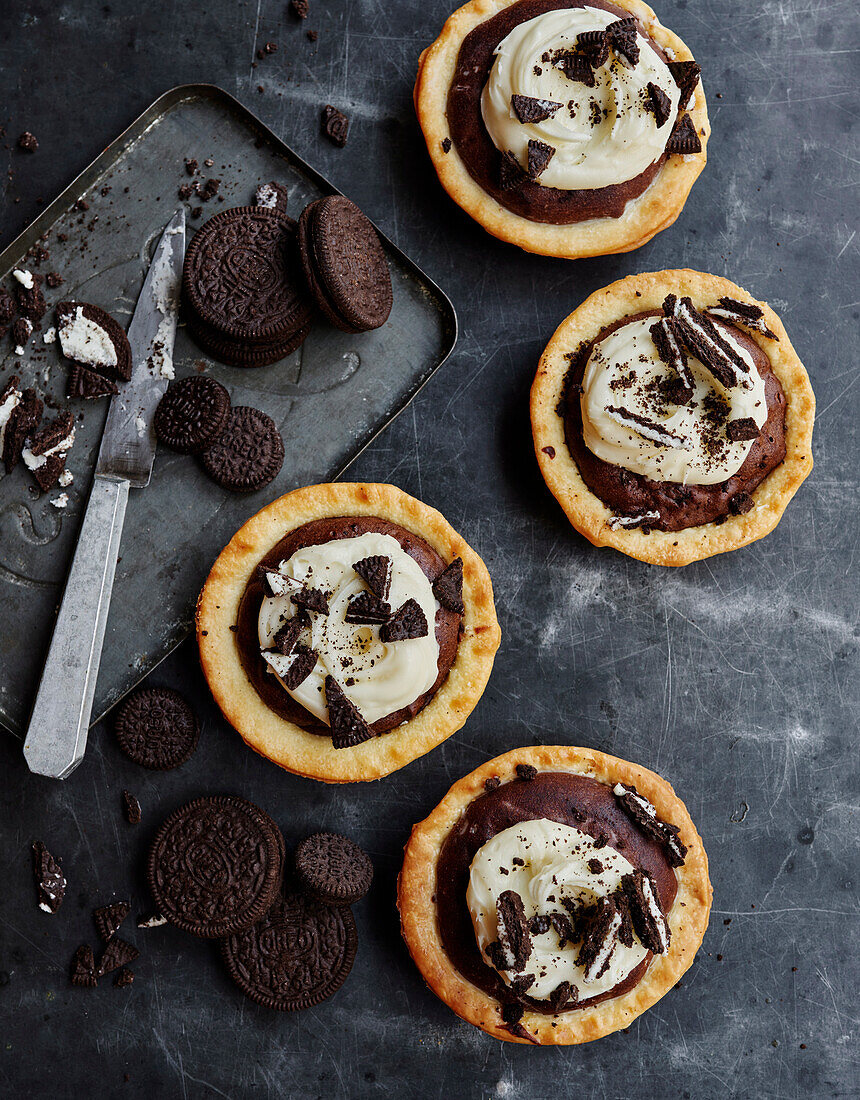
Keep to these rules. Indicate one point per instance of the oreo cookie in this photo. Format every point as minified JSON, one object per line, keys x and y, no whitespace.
{"x":93,"y":340}
{"x":109,"y":917}
{"x":84,"y":967}
{"x":272,"y":196}
{"x":298,"y":955}
{"x":23,"y":421}
{"x":345,"y":264}
{"x":242,"y":286}
{"x":215,"y":866}
{"x":156,"y":728}
{"x":333,"y":868}
{"x":248,"y":453}
{"x":192,"y":414}
{"x":50,"y":880}
{"x":45,"y":454}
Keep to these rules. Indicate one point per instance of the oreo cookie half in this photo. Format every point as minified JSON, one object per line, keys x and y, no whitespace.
{"x":344,"y":264}
{"x":241,"y":278}
{"x":92,"y":338}
{"x":247,"y":454}
{"x":297,"y":956}
{"x":192,"y":414}
{"x":156,"y":728}
{"x":215,"y":866}
{"x":333,"y":868}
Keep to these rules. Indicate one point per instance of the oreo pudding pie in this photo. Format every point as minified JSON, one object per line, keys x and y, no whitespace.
{"x":569,"y":129}
{"x":554,"y":894}
{"x":672,"y":418}
{"x":346,"y":630}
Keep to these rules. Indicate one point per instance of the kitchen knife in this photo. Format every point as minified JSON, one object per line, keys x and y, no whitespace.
{"x":57,"y":733}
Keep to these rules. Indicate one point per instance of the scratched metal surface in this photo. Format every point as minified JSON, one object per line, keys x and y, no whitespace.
{"x":737,"y":678}
{"x":328,"y":398}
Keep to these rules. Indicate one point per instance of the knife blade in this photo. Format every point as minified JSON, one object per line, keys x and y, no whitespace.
{"x":128,"y":442}
{"x":59,"y":723}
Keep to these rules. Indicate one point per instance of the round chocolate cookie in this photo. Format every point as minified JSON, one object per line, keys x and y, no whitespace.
{"x":248,"y":453}
{"x":237,"y":353}
{"x":297,"y":956}
{"x":192,"y":414}
{"x":345,"y":265}
{"x":215,"y":866}
{"x":333,"y":868}
{"x":241,"y":277}
{"x":156,"y":728}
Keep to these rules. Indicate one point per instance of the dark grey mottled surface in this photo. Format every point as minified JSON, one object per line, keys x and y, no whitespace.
{"x":736,"y":678}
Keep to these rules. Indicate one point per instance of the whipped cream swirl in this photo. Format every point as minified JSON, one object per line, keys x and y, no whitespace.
{"x":378,"y":677}
{"x":602,"y":135}
{"x":545,"y":862}
{"x":690,"y":445}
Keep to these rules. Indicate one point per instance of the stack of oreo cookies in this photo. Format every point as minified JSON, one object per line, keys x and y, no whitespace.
{"x":252,"y":277}
{"x":217,"y":869}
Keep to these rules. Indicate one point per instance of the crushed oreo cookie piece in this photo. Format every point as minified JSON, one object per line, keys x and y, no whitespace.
{"x":684,"y":138}
{"x":448,"y":587}
{"x":526,"y":771}
{"x":7,"y":307}
{"x":493,"y":783}
{"x":599,"y":940}
{"x":522,"y":983}
{"x":276,"y":583}
{"x":511,"y":172}
{"x":647,"y":916}
{"x":287,"y":638}
{"x":446,"y":145}
{"x":686,"y":76}
{"x":335,"y":125}
{"x":50,"y":880}
{"x":272,"y":196}
{"x":303,"y":664}
{"x":575,"y":66}
{"x":54,"y":279}
{"x":622,"y":37}
{"x":28,"y":142}
{"x":594,"y":866}
{"x":627,"y":523}
{"x":109,"y":917}
{"x":539,"y":156}
{"x":22,"y":330}
{"x":31,"y":300}
{"x":703,"y":340}
{"x":563,"y":928}
{"x":365,"y":608}
{"x":348,"y":728}
{"x":124,"y":979}
{"x":407,"y":622}
{"x":132,"y":808}
{"x":311,"y":599}
{"x":88,"y":385}
{"x":645,"y":427}
{"x":595,"y":46}
{"x":529,"y":110}
{"x":742,"y":429}
{"x":539,"y":924}
{"x":299,"y":8}
{"x":565,"y":995}
{"x":84,"y":967}
{"x":512,"y":1012}
{"x":117,"y":953}
{"x":669,"y":348}
{"x":659,"y":104}
{"x":643,"y":814}
{"x":625,"y":929}
{"x":22,"y":423}
{"x":743,"y":313}
{"x":375,"y":571}
{"x":740,"y":504}
{"x":513,"y":929}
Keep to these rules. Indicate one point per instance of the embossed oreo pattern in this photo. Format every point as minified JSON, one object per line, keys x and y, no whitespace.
{"x":215,"y":866}
{"x":241,"y":274}
{"x":247,"y":454}
{"x":298,"y":955}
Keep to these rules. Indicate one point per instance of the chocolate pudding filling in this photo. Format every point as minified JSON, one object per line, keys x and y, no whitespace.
{"x":574,"y":800}
{"x":267,"y":686}
{"x":483,"y":160}
{"x":679,"y":506}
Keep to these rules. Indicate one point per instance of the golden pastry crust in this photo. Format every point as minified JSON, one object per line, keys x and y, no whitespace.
{"x":285,"y":743}
{"x":586,"y":511}
{"x":654,"y":210}
{"x":688,"y":918}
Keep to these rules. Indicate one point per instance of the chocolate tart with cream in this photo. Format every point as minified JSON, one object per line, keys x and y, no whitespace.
{"x":346,"y":630}
{"x":672,"y":419}
{"x":568,"y":128}
{"x":554,"y":894}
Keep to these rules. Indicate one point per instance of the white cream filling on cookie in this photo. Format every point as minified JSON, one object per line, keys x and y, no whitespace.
{"x":85,"y":341}
{"x":625,"y":371}
{"x":554,"y":866}
{"x":602,"y":135}
{"x":378,"y":677}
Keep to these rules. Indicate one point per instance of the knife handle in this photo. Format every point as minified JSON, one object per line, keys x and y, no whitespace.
{"x":57,"y":733}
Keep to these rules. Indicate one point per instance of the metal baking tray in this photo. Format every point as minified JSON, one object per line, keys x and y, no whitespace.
{"x":329,"y":399}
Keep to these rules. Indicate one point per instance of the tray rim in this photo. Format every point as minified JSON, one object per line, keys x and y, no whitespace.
{"x":136,"y":130}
